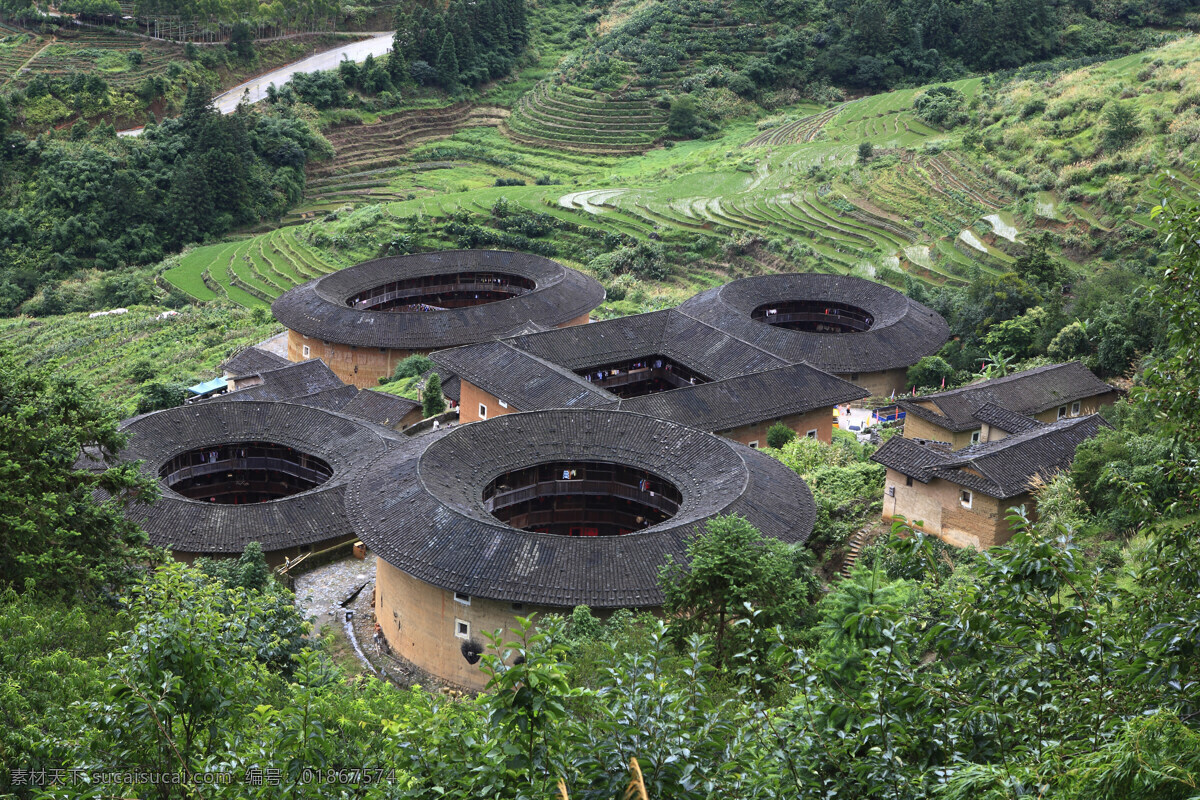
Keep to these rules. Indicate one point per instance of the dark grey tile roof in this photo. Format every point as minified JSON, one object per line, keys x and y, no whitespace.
{"x":598,"y":342}
{"x":425,"y":515}
{"x":1007,"y":421}
{"x":318,"y":308}
{"x":1000,"y":469}
{"x":534,"y":373}
{"x":747,"y":399}
{"x":286,"y":383}
{"x":525,"y":381}
{"x":330,"y":399}
{"x":1029,"y":392}
{"x":698,"y":346}
{"x":380,"y":407}
{"x":452,"y":387}
{"x":251,"y":360}
{"x":902,"y":331}
{"x":317,"y":515}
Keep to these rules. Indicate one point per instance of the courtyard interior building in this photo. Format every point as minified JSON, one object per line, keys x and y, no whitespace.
{"x":663,"y":363}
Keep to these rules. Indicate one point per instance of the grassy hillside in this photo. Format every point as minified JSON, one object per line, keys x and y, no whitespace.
{"x":118,"y":355}
{"x":795,"y":190}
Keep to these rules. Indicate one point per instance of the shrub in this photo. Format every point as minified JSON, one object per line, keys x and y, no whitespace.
{"x":434,"y":403}
{"x":411,"y":367}
{"x":779,"y":435}
{"x":942,"y":105}
{"x":156,"y":396}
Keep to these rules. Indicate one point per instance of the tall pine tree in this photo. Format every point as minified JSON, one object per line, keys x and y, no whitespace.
{"x":447,"y":64}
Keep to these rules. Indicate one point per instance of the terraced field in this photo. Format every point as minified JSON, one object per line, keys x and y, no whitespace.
{"x":16,"y":48}
{"x":107,"y":54}
{"x":795,"y":196}
{"x":885,"y":120}
{"x":365,"y":148}
{"x":581,"y":120}
{"x":249,"y":272}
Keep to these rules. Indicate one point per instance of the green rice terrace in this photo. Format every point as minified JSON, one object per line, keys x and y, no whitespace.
{"x":938,"y":204}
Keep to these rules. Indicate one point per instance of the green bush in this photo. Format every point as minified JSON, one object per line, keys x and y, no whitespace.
{"x":779,"y":435}
{"x":411,"y":367}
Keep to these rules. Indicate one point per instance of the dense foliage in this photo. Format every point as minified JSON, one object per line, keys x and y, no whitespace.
{"x":461,"y":43}
{"x":58,"y":537}
{"x":755,"y":49}
{"x":109,"y":202}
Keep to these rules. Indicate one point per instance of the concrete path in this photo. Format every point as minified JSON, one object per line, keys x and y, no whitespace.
{"x":379,"y":44}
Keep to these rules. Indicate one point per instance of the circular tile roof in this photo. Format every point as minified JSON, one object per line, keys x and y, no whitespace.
{"x":901,"y":333}
{"x":319,"y":309}
{"x":424,"y":513}
{"x":195,"y":526}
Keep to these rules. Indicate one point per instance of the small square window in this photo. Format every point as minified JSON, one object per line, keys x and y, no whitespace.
{"x":503,"y":404}
{"x":908,"y":480}
{"x":964,"y":497}
{"x":812,"y":434}
{"x":1075,"y":409}
{"x":754,"y":444}
{"x":853,"y":376}
{"x":307,"y":352}
{"x":974,"y":437}
{"x":462,"y":629}
{"x":518,"y":606}
{"x":1062,"y":411}
{"x":383,"y":349}
{"x":482,"y":411}
{"x":465,"y":599}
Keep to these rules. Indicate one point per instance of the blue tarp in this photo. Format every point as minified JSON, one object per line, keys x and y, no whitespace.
{"x":208,"y":387}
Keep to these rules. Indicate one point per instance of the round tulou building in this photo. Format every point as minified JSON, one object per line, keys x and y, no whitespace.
{"x":859,"y":330}
{"x":235,"y":473}
{"x":544,"y":511}
{"x":365,"y":319}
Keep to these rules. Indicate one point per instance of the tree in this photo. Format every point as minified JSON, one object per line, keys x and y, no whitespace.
{"x":1038,"y":268}
{"x":248,"y":571}
{"x":65,"y":530}
{"x":447,"y":65}
{"x":434,"y":403}
{"x":931,"y":372}
{"x":1172,"y":379}
{"x":683,"y":121}
{"x":157,"y":396}
{"x":1120,"y":125}
{"x":778,"y":435}
{"x":241,"y":40}
{"x":731,"y":564}
{"x":941,"y":105}
{"x":411,"y":367}
{"x":865,"y":151}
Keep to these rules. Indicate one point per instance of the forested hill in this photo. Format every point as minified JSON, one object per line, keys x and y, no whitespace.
{"x":757,"y":46}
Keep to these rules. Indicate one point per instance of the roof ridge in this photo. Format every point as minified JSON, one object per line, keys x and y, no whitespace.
{"x":680,"y":310}
{"x":1025,"y":373}
{"x":984,"y":449}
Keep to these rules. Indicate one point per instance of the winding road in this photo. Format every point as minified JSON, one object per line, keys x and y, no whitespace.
{"x":379,"y":44}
